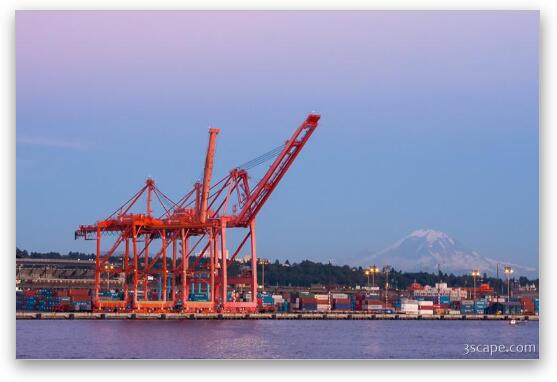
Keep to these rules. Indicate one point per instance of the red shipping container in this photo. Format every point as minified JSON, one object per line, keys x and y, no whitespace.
{"x":373,"y":302}
{"x":78,"y":291}
{"x":527,"y":305}
{"x":342,"y":301}
{"x":309,"y":300}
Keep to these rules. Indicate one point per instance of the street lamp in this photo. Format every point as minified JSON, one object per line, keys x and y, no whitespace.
{"x":475,"y":273}
{"x":508,"y":272}
{"x":367,"y":272}
{"x":263,"y":262}
{"x":386,"y":270}
{"x":106,"y":270}
{"x":373,"y":270}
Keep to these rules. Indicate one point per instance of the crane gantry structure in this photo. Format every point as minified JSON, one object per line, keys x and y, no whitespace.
{"x":195,"y":231}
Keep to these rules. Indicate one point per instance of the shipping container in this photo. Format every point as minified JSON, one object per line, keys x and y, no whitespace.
{"x":425,"y":303}
{"x":443,"y":299}
{"x":339,"y":296}
{"x":342,"y":307}
{"x":308,"y":307}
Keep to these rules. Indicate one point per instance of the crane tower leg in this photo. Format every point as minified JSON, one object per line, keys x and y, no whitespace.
{"x":126,"y":272}
{"x":98,"y":268}
{"x":185,"y":260}
{"x":224,"y":278}
{"x":173,"y":286}
{"x":253,"y":263}
{"x":212,"y":266}
{"x":164,"y":270}
{"x":145,"y":269}
{"x":135,"y":267}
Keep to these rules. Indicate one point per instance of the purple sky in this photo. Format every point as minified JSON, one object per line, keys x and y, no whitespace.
{"x":429,"y":120}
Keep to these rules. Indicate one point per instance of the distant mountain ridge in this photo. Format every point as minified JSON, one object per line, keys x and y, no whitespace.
{"x":426,"y":249}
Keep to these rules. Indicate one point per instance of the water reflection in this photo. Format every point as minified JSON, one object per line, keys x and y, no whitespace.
{"x":266,"y":339}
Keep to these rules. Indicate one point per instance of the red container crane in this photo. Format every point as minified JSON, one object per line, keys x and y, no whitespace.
{"x":195,"y":228}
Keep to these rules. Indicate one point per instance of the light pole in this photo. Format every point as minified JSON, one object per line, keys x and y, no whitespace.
{"x":508,"y":272}
{"x":475,"y":273}
{"x":500,"y":286}
{"x":367,"y":272}
{"x":263,"y":263}
{"x":373,"y":269}
{"x":106,"y":269}
{"x":386,"y":270}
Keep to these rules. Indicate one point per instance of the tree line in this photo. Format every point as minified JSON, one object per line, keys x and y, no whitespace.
{"x":309,"y":273}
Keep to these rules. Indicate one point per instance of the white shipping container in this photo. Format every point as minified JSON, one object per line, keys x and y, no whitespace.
{"x":372,"y":307}
{"x":339,"y":295}
{"x":425,"y":303}
{"x":454,"y":312}
{"x":323,"y":307}
{"x":322,"y":297}
{"x":426,"y":312}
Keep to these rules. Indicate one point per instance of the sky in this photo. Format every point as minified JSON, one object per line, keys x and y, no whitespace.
{"x":429,"y":120}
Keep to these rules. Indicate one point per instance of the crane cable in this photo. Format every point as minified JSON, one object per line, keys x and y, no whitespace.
{"x":262,"y":158}
{"x":253,"y":163}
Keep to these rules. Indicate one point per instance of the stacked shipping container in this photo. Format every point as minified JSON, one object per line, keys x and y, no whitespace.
{"x":51,"y":300}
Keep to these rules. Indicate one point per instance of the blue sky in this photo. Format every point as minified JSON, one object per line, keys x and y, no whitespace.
{"x":429,"y":120}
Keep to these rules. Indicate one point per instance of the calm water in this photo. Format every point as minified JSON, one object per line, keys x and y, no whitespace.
{"x":268,"y":339}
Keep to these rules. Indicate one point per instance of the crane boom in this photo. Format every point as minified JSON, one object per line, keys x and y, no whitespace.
{"x":207,"y":174}
{"x":278,"y":168}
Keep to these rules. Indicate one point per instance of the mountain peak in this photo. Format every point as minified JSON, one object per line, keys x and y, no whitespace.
{"x":428,"y":249}
{"x":431,"y":235}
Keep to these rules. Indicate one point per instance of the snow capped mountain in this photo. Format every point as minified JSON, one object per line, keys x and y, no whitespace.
{"x":426,"y":249}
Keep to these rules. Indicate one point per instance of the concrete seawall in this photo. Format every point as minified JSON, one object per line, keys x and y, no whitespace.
{"x":260,"y":316}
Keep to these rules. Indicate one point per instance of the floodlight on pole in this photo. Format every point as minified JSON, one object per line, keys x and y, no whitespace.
{"x":373,"y":270}
{"x":508,"y":271}
{"x":475,"y":274}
